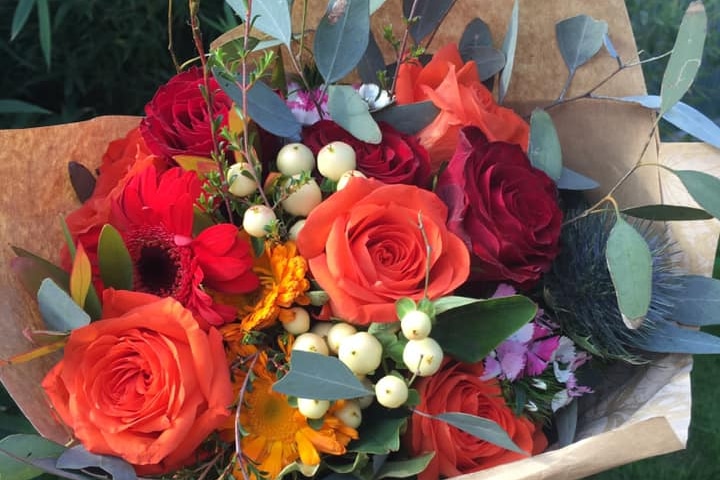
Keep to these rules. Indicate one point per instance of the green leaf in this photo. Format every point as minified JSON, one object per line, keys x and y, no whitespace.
{"x":11,"y":424}
{"x":43,"y":12}
{"x":17,"y":451}
{"x":371,"y":62}
{"x":488,"y":60}
{"x":429,"y":14}
{"x":359,"y":461}
{"x":403,"y":306}
{"x":116,"y":266}
{"x":470,"y":332}
{"x":320,"y":377}
{"x":566,"y":423}
{"x":378,"y":436}
{"x":375,"y":4}
{"x":698,"y":302}
{"x":58,"y":310}
{"x":579,"y":39}
{"x":480,"y":428}
{"x":704,"y":188}
{"x":667,"y":213}
{"x":404,"y":468}
{"x":18,"y":106}
{"x":341,"y":38}
{"x":694,"y":123}
{"x":508,"y":47}
{"x":476,"y":34}
{"x":348,"y":109}
{"x":716,"y":264}
{"x":33,"y":269}
{"x":409,"y":118}
{"x":667,"y":337}
{"x":630,"y":265}
{"x":269,"y":16}
{"x":77,"y":458}
{"x":20,"y":17}
{"x":685,"y":58}
{"x":572,"y":180}
{"x":544,"y":151}
{"x":448,"y":303}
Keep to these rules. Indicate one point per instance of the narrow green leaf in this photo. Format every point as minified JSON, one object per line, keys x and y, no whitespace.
{"x":470,"y":332}
{"x":704,"y":188}
{"x":58,"y":310}
{"x":404,"y":468}
{"x":429,"y":14}
{"x":410,"y":118}
{"x":33,"y":269}
{"x":320,"y":377}
{"x":544,"y":151}
{"x":20,"y":17}
{"x":630,"y":265}
{"x":667,"y":337}
{"x":698,"y":303}
{"x":508,"y":47}
{"x":348,"y":109}
{"x":480,"y":428}
{"x":269,"y":16}
{"x":667,"y":213}
{"x":341,"y":38}
{"x":116,"y":266}
{"x":579,"y":39}
{"x":686,"y":56}
{"x":566,"y":423}
{"x":17,"y":451}
{"x":18,"y":106}
{"x":716,"y":264}
{"x":43,"y":11}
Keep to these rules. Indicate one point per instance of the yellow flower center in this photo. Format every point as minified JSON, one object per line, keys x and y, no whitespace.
{"x":269,"y":414}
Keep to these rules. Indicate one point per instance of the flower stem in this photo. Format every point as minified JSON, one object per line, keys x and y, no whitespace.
{"x":241,"y":394}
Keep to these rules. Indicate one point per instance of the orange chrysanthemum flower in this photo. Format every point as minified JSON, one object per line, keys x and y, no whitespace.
{"x":278,"y":434}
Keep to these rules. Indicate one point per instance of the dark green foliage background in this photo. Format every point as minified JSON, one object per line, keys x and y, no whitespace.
{"x":108,"y":57}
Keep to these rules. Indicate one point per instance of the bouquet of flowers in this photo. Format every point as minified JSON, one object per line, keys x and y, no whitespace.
{"x":331,"y":250}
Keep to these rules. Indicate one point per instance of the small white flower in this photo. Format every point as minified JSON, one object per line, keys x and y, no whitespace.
{"x":530,"y":405}
{"x":561,"y":399}
{"x":539,"y":384}
{"x":375,"y":98}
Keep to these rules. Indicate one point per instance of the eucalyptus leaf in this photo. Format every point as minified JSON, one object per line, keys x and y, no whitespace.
{"x":404,"y":468}
{"x":375,"y":4}
{"x":667,"y":337}
{"x":508,"y":48}
{"x":630,"y":264}
{"x":20,"y":16}
{"x":116,"y":266}
{"x":572,"y":180}
{"x":579,"y":39}
{"x":476,"y":34}
{"x":488,"y":60}
{"x":341,"y":39}
{"x":58,"y":310}
{"x":698,"y":304}
{"x":470,"y":332}
{"x":693,"y":122}
{"x":320,"y":377}
{"x":610,"y":47}
{"x":269,"y":16}
{"x":429,"y":14}
{"x":349,"y":110}
{"x":78,"y":458}
{"x":686,"y":56}
{"x":17,"y":452}
{"x":704,"y":188}
{"x":566,"y":423}
{"x":82,"y":180}
{"x":409,"y":118}
{"x":378,"y":437}
{"x":480,"y":428}
{"x":18,"y":106}
{"x":544,"y":150}
{"x":667,"y":213}
{"x":371,"y":62}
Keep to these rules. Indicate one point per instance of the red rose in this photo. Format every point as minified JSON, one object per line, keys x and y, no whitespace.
{"x":177,"y":120}
{"x":365,"y":249}
{"x":457,"y":388}
{"x":398,"y":158}
{"x":504,"y":209}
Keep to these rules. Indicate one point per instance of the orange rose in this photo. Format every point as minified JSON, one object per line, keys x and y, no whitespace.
{"x":366,"y":251}
{"x":457,"y":388}
{"x":463,"y":101}
{"x":145,"y":383}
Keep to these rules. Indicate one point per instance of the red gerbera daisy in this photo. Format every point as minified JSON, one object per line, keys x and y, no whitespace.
{"x":155,"y":216}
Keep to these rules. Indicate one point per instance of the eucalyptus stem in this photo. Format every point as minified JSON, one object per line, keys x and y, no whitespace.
{"x":403,"y":47}
{"x":241,"y":394}
{"x":428,"y":251}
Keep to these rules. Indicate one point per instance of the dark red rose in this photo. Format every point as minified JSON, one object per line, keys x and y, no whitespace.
{"x":399,"y":158}
{"x":177,"y":120}
{"x":504,"y":209}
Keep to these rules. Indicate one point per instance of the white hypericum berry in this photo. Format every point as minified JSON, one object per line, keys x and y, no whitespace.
{"x":350,"y":414}
{"x":345,"y":178}
{"x":295,"y":229}
{"x":311,"y":408}
{"x":256,"y":218}
{"x":391,"y":391}
{"x":240,"y":184}
{"x":321,"y":329}
{"x":415,"y":325}
{"x":366,"y":401}
{"x":301,"y":202}
{"x":311,"y":342}
{"x":423,"y":357}
{"x":300,"y":322}
{"x":361,"y":352}
{"x":295,"y":158}
{"x":337,"y":334}
{"x":334,"y":159}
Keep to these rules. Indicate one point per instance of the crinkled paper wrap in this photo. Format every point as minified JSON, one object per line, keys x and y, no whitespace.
{"x":644,"y":412}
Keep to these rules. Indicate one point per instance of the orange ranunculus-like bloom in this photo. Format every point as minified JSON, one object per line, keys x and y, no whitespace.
{"x":145,"y":383}
{"x":366,"y":250}
{"x":457,"y":388}
{"x":455,"y":88}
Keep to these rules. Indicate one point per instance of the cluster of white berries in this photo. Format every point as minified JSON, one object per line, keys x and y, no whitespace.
{"x":336,"y":161}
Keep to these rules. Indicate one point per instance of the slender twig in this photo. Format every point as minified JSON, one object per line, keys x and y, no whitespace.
{"x":428,"y":251}
{"x":403,"y":47}
{"x":241,"y":395}
{"x":170,"y":37}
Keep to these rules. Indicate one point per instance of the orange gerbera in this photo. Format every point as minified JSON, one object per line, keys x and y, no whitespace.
{"x":278,"y":435}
